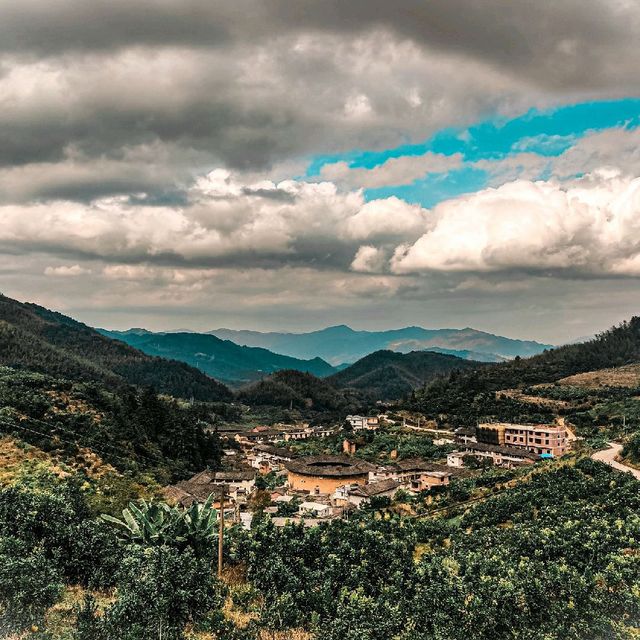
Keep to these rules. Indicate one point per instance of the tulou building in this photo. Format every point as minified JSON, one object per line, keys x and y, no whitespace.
{"x":324,"y":474}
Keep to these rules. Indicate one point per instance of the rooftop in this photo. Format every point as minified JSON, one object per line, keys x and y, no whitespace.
{"x":374,"y":488}
{"x":505,"y":451}
{"x":275,"y":451}
{"x":332,"y":466}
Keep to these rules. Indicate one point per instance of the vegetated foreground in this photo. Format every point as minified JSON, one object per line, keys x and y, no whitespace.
{"x":556,"y":556}
{"x":545,"y":551}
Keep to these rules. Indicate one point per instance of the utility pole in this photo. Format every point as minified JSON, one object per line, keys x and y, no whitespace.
{"x":223,"y":491}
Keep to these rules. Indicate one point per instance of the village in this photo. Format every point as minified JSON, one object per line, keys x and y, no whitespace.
{"x":264,"y":469}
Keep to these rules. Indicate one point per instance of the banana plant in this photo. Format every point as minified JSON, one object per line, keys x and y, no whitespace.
{"x":156,"y":523}
{"x":150,"y":523}
{"x":197,"y":526}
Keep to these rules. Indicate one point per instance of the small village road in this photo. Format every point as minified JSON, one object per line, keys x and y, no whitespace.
{"x":608,"y":456}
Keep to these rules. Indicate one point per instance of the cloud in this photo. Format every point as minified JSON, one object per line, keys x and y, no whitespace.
{"x":251,"y":85}
{"x":392,"y":172}
{"x":369,"y":259}
{"x":617,"y":147}
{"x":569,"y":44}
{"x":223,"y":221}
{"x":388,"y":218}
{"x":66,"y":271}
{"x":589,"y":228}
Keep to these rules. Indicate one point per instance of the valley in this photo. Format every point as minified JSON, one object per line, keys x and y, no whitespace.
{"x":407,"y":486}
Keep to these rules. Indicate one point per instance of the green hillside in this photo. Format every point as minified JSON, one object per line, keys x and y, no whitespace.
{"x":466,"y":396}
{"x":221,"y":359}
{"x":388,"y":375}
{"x":298,"y":390}
{"x":37,"y":339}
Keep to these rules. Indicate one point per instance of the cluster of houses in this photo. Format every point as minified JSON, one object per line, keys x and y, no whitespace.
{"x":320,"y":487}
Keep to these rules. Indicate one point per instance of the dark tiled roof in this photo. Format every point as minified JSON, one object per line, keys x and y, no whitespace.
{"x":276,"y":451}
{"x":374,"y":488}
{"x":505,"y":451}
{"x":332,"y":466}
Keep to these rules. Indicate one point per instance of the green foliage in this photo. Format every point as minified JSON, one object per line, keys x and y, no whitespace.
{"x":131,"y":430}
{"x":550,"y":559}
{"x":466,"y":396}
{"x":299,"y":390}
{"x":270,"y":480}
{"x":631,"y":450}
{"x":59,"y":524}
{"x":160,"y":590}
{"x":148,"y":524}
{"x":29,"y":584}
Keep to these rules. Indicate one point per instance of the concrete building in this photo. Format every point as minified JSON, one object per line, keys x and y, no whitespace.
{"x":266,"y":458}
{"x":315,"y":509}
{"x":363,"y":423}
{"x":550,"y":439}
{"x":414,"y":474}
{"x":324,"y":474}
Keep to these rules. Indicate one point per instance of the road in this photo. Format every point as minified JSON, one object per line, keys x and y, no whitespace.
{"x":608,"y":456}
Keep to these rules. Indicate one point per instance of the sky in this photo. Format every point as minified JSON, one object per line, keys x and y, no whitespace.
{"x":280,"y":165}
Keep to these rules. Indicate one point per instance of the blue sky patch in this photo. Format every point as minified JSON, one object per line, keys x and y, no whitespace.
{"x":546,"y":133}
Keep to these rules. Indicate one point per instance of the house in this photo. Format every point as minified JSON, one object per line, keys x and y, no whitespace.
{"x":543,"y":439}
{"x":279,"y":521}
{"x":238,"y":484}
{"x":414,"y":474}
{"x":357,"y":494}
{"x":548,"y":439}
{"x":465,"y":434}
{"x":254,"y":437}
{"x":323,"y":474}
{"x":362,"y":423}
{"x":315,"y":509}
{"x":500,"y":456}
{"x":324,"y":432}
{"x":266,"y":458}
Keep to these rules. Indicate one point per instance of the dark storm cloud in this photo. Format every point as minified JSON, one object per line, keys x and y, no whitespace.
{"x":568,"y":42}
{"x":252,"y":83}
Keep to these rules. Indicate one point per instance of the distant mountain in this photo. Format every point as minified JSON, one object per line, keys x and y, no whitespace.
{"x":387,"y":375}
{"x":471,"y":395}
{"x":222,"y":359}
{"x":342,"y":344}
{"x":37,"y":339}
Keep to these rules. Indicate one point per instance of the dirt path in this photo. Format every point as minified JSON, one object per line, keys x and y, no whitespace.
{"x":608,"y":456}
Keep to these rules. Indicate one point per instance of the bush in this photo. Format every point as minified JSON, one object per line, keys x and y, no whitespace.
{"x":160,"y":590}
{"x":29,"y":585}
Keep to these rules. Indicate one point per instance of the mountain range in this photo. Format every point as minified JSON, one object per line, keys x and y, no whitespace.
{"x":341,"y":344}
{"x":222,"y":359}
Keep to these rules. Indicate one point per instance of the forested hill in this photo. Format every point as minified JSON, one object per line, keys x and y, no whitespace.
{"x":618,"y":346}
{"x":299,"y":390}
{"x":388,"y":375}
{"x":222,"y":359}
{"x":37,"y":339}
